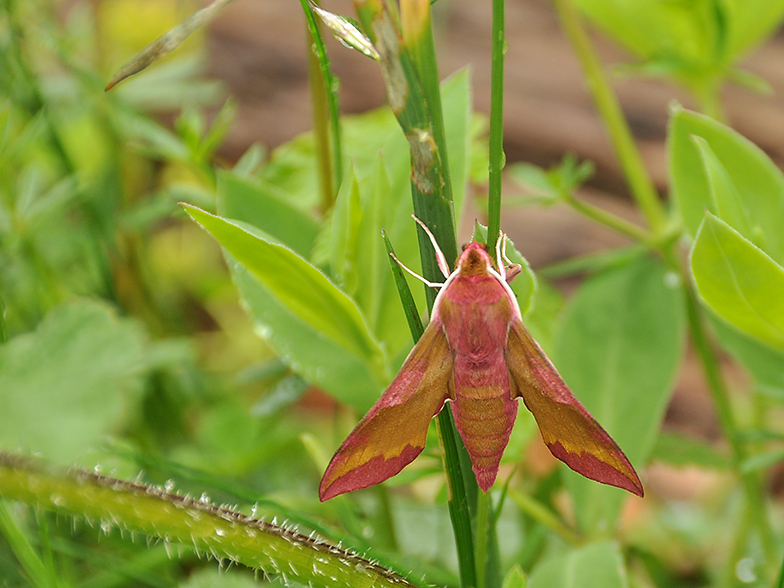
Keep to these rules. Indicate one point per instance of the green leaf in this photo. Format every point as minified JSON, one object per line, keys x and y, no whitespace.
{"x":757,"y":181}
{"x":302,"y":314}
{"x":684,"y":31}
{"x":346,"y":219}
{"x":680,"y":450}
{"x":762,"y":362}
{"x":726,"y":202}
{"x":739,"y":282}
{"x":266,"y":207}
{"x":689,"y":33}
{"x":597,"y":565}
{"x":515,"y":578}
{"x":618,"y":347}
{"x":69,"y":383}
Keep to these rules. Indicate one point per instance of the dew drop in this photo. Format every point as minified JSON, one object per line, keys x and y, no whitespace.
{"x":744,"y":570}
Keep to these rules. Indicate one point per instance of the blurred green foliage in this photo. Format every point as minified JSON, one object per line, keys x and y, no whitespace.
{"x":128,"y":342}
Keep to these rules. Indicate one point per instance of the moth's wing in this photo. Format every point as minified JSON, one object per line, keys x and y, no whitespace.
{"x":567,"y":428}
{"x":393,"y":433}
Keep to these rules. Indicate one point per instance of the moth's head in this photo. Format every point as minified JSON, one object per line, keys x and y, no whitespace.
{"x":475,"y":261}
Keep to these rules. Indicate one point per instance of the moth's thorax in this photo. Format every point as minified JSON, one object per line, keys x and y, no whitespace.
{"x":474,"y":261}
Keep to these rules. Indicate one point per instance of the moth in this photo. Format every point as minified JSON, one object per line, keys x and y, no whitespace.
{"x":477,"y":354}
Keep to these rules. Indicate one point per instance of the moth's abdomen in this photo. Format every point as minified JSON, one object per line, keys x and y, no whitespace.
{"x":484,"y":414}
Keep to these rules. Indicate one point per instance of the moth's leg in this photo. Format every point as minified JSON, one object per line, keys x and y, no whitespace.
{"x":416,"y":275}
{"x":442,"y":265}
{"x":508,"y":269}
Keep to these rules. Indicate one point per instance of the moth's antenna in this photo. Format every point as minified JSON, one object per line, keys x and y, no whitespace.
{"x":413,"y":273}
{"x":442,"y":264}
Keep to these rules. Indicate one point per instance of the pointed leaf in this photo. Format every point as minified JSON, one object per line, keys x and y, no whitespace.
{"x":757,"y":180}
{"x":300,"y":287}
{"x":738,"y":281}
{"x":168,"y":42}
{"x":266,"y":207}
{"x":726,"y":201}
{"x":346,"y":31}
{"x":346,"y":219}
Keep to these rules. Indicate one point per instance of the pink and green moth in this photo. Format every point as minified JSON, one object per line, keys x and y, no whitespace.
{"x":477,"y":354}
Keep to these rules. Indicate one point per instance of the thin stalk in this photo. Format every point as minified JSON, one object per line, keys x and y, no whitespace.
{"x":591,"y":263}
{"x":331,"y":85}
{"x":544,"y":516}
{"x":720,"y":396}
{"x":640,"y":183}
{"x":320,"y":113}
{"x":616,"y":223}
{"x":458,"y":501}
{"x":481,"y":532}
{"x":496,"y":125}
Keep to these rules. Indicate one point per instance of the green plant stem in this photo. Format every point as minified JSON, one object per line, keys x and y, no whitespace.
{"x":320,"y":113}
{"x":459,"y":511}
{"x":540,"y":513}
{"x":616,"y":223}
{"x":496,"y":125}
{"x":194,"y":524}
{"x":592,"y":262}
{"x":481,"y":532}
{"x":640,"y":183}
{"x":331,"y":85}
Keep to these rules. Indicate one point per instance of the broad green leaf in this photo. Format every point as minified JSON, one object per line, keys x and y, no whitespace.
{"x":298,"y":286}
{"x":371,"y":258}
{"x":679,"y":450}
{"x":344,"y":375}
{"x":762,"y":362}
{"x":680,"y":31}
{"x":266,"y":207}
{"x":739,"y":282}
{"x":687,"y":34}
{"x":70,"y":382}
{"x":750,"y":22}
{"x":757,"y":181}
{"x":726,"y":202}
{"x":597,"y":565}
{"x":618,"y":347}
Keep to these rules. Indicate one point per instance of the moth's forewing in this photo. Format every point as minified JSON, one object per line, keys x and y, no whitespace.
{"x":393,"y":433}
{"x":567,"y":428}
